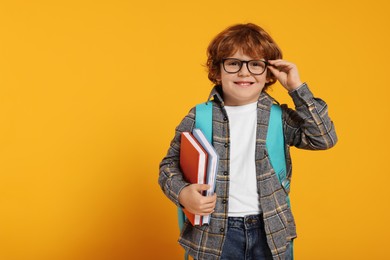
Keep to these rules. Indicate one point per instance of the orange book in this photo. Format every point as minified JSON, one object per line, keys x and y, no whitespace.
{"x":193,"y":163}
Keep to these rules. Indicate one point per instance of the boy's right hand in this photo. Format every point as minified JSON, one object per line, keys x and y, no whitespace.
{"x":191,"y":199}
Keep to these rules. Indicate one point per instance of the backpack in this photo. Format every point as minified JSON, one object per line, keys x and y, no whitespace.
{"x":274,"y":143}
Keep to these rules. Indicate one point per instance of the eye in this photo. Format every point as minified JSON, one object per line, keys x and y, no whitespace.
{"x":232,"y":62}
{"x":257,"y":64}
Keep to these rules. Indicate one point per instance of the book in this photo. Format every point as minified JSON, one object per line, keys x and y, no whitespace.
{"x":193,"y":163}
{"x":212,"y":165}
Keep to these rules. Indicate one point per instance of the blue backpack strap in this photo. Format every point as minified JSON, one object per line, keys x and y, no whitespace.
{"x":181,"y":217}
{"x":275,"y":146}
{"x":203,"y":121}
{"x":277,"y":156}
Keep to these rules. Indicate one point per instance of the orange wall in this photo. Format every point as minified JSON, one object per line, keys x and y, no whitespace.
{"x":90,"y":94}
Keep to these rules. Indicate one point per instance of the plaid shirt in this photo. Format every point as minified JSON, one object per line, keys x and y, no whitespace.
{"x":307,"y":127}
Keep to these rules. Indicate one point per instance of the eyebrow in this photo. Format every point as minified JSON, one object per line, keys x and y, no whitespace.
{"x":246,"y":60}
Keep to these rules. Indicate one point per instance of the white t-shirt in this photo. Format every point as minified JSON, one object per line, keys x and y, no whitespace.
{"x":243,"y":195}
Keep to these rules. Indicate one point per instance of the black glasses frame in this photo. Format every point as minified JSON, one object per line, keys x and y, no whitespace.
{"x":241,"y":62}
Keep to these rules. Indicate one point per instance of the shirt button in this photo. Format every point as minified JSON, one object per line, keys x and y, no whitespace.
{"x":225,"y":173}
{"x":226,"y":145}
{"x":222,"y":229}
{"x":224,"y":201}
{"x":225,"y":118}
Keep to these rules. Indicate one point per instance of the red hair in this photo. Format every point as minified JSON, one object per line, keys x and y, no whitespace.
{"x":253,"y":40}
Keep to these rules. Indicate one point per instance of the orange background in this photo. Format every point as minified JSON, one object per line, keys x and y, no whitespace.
{"x":90,"y":94}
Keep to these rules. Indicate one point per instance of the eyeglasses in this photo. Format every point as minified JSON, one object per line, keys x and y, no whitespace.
{"x":255,"y":67}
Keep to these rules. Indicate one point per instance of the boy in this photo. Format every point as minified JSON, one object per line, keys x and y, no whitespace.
{"x":250,"y":218}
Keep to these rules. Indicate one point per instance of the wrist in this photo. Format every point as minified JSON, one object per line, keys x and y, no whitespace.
{"x":302,"y":95}
{"x":182,"y":194}
{"x":294,"y":86}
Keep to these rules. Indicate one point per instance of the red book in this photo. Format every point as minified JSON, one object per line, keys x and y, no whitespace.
{"x":193,"y":163}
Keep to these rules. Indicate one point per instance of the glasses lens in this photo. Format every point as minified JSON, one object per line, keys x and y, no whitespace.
{"x":256,"y":66}
{"x":232,"y":65}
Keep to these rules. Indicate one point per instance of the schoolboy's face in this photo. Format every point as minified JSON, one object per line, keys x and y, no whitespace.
{"x":241,"y":88}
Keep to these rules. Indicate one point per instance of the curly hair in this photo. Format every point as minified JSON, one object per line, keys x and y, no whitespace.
{"x":253,"y":40}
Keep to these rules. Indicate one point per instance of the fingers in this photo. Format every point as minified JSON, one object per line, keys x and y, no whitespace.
{"x":273,"y":70}
{"x":192,"y":199}
{"x":209,"y":199}
{"x":281,"y":65}
{"x":286,"y":73}
{"x":201,"y":187}
{"x":207,"y":205}
{"x":278,"y":62}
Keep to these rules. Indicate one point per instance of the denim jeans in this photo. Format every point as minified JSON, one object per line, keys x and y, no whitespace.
{"x":246,"y":239}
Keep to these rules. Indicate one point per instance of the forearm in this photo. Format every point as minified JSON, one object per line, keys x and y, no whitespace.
{"x":170,"y":177}
{"x":309,"y":126}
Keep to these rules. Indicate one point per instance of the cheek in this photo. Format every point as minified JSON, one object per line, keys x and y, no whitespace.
{"x":262,"y":78}
{"x":223,"y":76}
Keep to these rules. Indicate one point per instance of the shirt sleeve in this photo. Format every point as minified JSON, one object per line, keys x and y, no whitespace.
{"x":171,"y":178}
{"x":308,"y":126}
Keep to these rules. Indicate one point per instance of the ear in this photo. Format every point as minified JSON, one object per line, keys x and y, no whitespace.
{"x":269,"y":78}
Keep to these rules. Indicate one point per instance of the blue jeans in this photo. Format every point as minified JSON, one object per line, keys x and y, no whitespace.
{"x":246,"y":239}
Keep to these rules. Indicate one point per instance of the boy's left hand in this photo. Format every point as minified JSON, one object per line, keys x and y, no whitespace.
{"x":286,"y":73}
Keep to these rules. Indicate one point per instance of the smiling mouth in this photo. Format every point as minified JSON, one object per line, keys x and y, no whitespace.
{"x":243,"y":83}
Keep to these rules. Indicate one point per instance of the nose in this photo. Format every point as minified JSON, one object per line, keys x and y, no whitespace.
{"x":244,"y":72}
